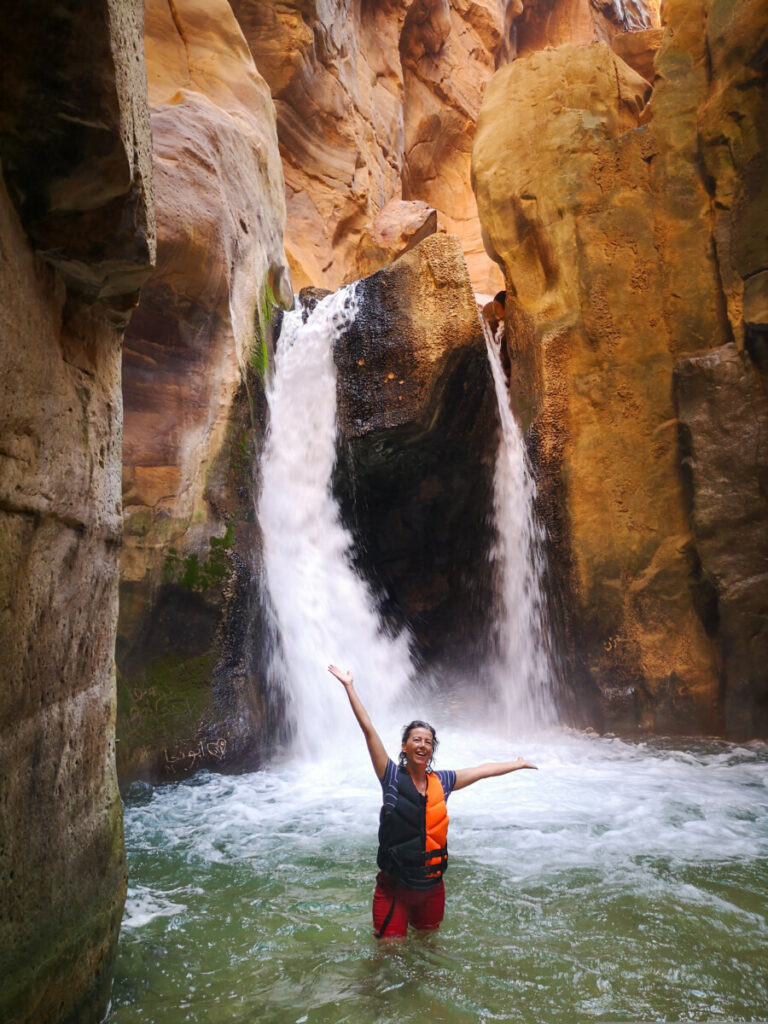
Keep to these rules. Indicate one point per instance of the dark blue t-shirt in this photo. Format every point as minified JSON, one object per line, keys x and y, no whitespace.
{"x":389,"y":783}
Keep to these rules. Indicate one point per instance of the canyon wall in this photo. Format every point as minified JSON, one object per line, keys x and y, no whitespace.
{"x":196,"y":353}
{"x":376,"y":110}
{"x":632,"y":233}
{"x":373,"y":108}
{"x":76,"y":241}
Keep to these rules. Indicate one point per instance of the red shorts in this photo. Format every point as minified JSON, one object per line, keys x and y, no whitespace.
{"x":405,"y":906}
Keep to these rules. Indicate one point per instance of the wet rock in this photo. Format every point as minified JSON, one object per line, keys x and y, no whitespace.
{"x":418,"y":433}
{"x":723,"y":413}
{"x":309,"y":298}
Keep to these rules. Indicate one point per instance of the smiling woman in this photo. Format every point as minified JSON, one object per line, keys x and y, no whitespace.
{"x":413,"y":827}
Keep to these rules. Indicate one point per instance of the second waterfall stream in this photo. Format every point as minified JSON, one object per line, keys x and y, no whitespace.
{"x":322,"y":610}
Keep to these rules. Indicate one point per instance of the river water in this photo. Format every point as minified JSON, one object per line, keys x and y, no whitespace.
{"x":619,"y":882}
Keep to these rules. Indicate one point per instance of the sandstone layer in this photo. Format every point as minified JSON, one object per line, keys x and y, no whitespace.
{"x":418,"y":431}
{"x":76,"y":240}
{"x":195,"y":353}
{"x":378,"y":103}
{"x":619,"y":269}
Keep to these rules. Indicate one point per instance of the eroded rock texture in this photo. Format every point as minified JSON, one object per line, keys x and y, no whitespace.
{"x":195,"y":353}
{"x":75,"y":239}
{"x":542,"y":23}
{"x":418,"y":430}
{"x":378,"y":102}
{"x":619,"y":266}
{"x":723,"y":412}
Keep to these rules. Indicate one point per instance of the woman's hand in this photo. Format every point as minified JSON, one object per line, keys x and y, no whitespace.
{"x":375,"y":746}
{"x":343,"y":677}
{"x":522,"y":763}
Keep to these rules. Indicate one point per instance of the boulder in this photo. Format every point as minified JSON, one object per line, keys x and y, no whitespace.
{"x":418,"y":429}
{"x":398,"y":227}
{"x":639,"y":49}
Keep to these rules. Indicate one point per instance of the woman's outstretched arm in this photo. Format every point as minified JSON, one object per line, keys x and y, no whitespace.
{"x":466,"y":776}
{"x":379,"y":756}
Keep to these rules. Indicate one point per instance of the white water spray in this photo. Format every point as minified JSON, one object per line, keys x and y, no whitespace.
{"x":520,"y":674}
{"x":323,"y":611}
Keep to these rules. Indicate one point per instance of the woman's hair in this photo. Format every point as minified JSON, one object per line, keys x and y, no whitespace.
{"x":418,"y":724}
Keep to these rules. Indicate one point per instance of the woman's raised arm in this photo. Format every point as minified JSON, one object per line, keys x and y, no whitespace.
{"x":379,"y":756}
{"x":466,"y":776}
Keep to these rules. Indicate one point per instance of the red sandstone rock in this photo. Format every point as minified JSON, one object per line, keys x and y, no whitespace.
{"x":220,"y":218}
{"x":397,"y":228}
{"x":638,"y":49}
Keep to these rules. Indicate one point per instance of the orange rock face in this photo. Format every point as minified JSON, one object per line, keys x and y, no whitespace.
{"x":337,"y":84}
{"x":541,"y":23}
{"x":378,"y":102}
{"x":221,"y":209}
{"x":377,"y":105}
{"x":618,"y":266}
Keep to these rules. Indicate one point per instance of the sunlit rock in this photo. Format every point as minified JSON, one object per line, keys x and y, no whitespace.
{"x":601,"y":222}
{"x":639,"y":49}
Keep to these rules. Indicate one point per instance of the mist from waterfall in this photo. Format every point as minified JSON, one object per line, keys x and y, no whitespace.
{"x":322,"y":611}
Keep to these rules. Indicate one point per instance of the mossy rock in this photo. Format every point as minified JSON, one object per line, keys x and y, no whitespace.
{"x":159,"y":712}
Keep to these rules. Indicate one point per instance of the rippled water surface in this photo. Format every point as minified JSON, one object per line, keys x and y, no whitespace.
{"x":618,"y":883}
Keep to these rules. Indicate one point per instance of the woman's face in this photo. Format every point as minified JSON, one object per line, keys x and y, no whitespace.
{"x":418,"y":746}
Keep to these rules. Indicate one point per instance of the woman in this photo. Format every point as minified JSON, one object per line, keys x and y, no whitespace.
{"x":413,"y":853}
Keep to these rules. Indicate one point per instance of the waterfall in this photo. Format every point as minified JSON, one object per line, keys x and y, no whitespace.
{"x":323,"y":612}
{"x":520,"y":673}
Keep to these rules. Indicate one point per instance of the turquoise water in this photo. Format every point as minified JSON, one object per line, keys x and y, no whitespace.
{"x":619,"y":883}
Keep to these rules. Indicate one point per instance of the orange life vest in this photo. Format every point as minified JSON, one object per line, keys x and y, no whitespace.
{"x":413,"y":834}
